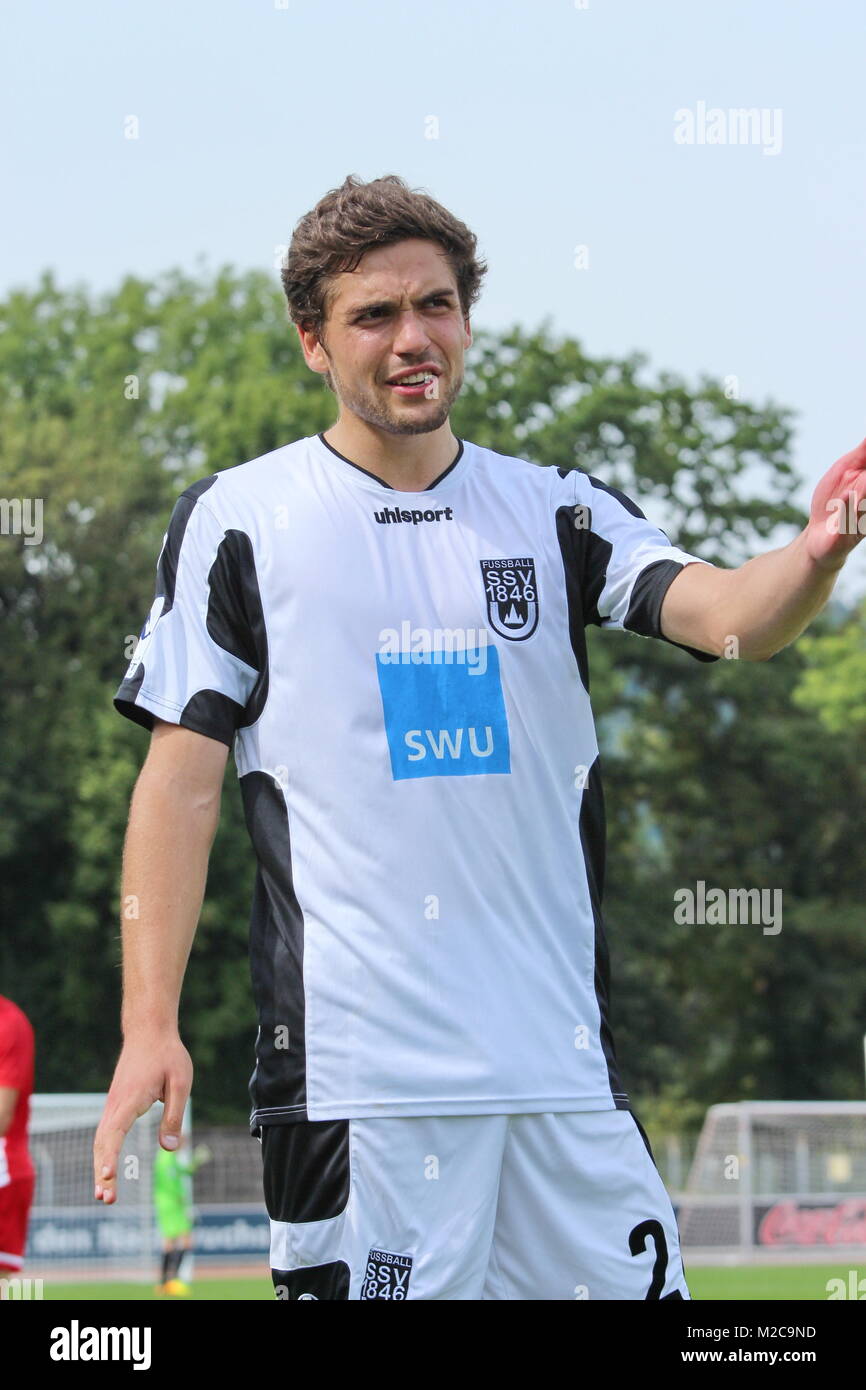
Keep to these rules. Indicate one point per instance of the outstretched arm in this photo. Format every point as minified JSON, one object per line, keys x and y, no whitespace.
{"x":768,"y":601}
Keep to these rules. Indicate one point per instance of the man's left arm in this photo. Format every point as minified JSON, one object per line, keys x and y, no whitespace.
{"x":768,"y":601}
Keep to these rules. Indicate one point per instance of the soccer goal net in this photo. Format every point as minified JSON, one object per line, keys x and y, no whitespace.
{"x":71,"y":1235}
{"x":774,"y":1176}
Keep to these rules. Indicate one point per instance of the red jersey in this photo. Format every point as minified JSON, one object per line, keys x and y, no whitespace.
{"x":16,"y":1070}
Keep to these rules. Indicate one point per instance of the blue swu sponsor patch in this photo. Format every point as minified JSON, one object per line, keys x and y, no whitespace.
{"x":444,"y":713}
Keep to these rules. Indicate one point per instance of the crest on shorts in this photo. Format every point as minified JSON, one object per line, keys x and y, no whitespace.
{"x":512,"y":597}
{"x":386,"y":1275}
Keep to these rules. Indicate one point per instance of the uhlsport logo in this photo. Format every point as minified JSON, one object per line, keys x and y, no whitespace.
{"x":400,"y":515}
{"x":512,"y":597}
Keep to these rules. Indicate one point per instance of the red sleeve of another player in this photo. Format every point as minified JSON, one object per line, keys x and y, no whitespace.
{"x":16,"y":1051}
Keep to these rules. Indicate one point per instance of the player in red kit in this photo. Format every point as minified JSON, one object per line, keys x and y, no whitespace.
{"x":17,"y":1175}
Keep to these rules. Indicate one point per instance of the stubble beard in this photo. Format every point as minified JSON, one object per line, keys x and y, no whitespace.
{"x":367,"y":406}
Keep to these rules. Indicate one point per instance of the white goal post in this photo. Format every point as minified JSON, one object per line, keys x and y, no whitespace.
{"x":777,"y":1178}
{"x":71,"y":1236}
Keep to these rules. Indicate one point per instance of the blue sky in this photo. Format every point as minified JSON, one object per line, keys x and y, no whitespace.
{"x":556,"y":129}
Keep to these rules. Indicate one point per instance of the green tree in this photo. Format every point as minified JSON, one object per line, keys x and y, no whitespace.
{"x":833,"y":684}
{"x":115,"y":403}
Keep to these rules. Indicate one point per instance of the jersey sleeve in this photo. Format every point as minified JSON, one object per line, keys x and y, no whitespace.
{"x":626,"y":563}
{"x":200,"y":661}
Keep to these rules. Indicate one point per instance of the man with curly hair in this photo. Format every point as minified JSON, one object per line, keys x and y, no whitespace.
{"x":386,"y":624}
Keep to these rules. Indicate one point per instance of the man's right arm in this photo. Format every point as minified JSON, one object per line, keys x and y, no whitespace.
{"x":172,"y":822}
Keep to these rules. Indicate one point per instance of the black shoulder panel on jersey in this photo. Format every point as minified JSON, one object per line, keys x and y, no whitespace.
{"x":166,"y":570}
{"x":629,"y":505}
{"x":626,"y":502}
{"x":586,"y":556}
{"x":305,"y":1170}
{"x":571,"y":548}
{"x":278,"y":1085}
{"x":645,"y":606}
{"x":235,"y":619}
{"x":166,"y":578}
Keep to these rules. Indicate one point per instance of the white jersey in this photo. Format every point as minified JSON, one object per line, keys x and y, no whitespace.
{"x":403,"y":678}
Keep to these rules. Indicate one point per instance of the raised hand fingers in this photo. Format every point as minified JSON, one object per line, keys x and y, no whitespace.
{"x":113,"y":1129}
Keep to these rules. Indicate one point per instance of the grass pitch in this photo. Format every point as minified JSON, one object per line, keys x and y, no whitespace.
{"x":745,"y":1283}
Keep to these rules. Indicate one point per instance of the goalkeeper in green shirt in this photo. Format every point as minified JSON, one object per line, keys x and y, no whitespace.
{"x":172,"y":1195}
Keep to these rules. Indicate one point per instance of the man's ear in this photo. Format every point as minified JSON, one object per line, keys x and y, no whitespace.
{"x":312,"y":348}
{"x":304,"y":340}
{"x":316,"y":354}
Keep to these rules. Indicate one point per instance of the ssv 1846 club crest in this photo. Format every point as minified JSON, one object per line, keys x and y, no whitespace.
{"x":512,"y":597}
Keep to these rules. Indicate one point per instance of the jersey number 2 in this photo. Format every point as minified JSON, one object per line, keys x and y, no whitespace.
{"x":637,"y":1245}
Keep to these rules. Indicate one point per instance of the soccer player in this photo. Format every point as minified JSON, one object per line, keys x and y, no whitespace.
{"x":386,"y":624}
{"x":172,"y":1198}
{"x":17,"y":1174}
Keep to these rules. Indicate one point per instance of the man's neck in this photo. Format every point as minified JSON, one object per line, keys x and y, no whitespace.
{"x":407,"y":462}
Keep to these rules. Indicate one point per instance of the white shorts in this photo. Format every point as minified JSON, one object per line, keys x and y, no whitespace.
{"x":550,"y":1206}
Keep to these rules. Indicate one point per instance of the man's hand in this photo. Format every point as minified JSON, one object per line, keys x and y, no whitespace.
{"x":755,"y":610}
{"x":835,"y":516}
{"x":149,"y":1068}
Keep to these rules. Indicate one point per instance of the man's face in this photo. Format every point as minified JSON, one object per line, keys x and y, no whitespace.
{"x":399,"y":310}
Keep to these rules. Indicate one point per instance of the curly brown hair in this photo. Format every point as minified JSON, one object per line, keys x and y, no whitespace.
{"x":353,"y":219}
